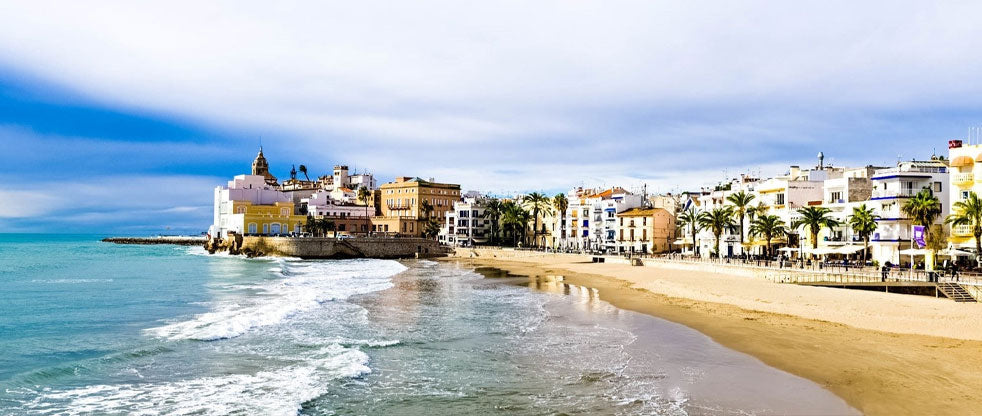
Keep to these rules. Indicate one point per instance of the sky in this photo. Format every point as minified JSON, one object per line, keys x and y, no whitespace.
{"x":122,"y":117}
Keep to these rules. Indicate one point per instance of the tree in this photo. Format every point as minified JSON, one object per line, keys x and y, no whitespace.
{"x":717,"y":220}
{"x":768,"y":227}
{"x":969,"y":213}
{"x":741,"y":201}
{"x":863,"y":222}
{"x":690,"y":218}
{"x":310,"y":225}
{"x":363,"y":195}
{"x":536,"y":203}
{"x":815,"y":218}
{"x":561,"y":204}
{"x":493,"y":211}
{"x":514,"y":220}
{"x":922,"y":210}
{"x":431,"y":228}
{"x":303,"y":170}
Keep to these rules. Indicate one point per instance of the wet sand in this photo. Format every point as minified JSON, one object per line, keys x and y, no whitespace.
{"x":876,"y":371}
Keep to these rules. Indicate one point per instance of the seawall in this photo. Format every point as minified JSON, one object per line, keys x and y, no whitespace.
{"x":330,"y":248}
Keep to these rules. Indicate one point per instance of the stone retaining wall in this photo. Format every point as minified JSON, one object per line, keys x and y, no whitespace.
{"x":330,"y":248}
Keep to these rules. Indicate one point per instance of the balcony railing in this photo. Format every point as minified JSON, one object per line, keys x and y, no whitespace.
{"x":961,"y":230}
{"x":886,"y":193}
{"x":963,"y":178}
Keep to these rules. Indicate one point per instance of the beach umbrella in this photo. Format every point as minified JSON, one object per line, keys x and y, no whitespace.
{"x":788,"y":249}
{"x":849,"y":249}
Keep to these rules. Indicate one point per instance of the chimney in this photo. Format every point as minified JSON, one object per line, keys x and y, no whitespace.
{"x":821,"y":161}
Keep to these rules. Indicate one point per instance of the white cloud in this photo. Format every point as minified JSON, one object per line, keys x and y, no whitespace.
{"x":568,"y":91}
{"x":23,"y":204}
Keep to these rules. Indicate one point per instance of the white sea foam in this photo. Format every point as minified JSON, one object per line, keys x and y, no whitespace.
{"x":302,"y":286}
{"x":275,"y":392}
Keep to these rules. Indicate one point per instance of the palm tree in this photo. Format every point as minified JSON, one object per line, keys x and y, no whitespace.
{"x":690,"y":218}
{"x":303,"y":170}
{"x":768,"y":226}
{"x":922,"y":210}
{"x":310,"y":225}
{"x":493,"y":211}
{"x":863,"y":222}
{"x":717,"y":220}
{"x":969,"y":212}
{"x":561,"y":204}
{"x":536,"y":202}
{"x":741,"y":201}
{"x":815,"y":218}
{"x":514,"y":220}
{"x":363,"y":195}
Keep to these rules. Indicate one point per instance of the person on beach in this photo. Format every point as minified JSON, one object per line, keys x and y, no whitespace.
{"x":885,"y":271}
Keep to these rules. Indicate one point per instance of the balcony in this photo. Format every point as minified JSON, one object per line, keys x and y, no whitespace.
{"x":961,"y":230}
{"x":963,"y":179}
{"x":888,"y":193}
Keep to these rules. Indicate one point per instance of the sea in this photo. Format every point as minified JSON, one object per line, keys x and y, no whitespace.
{"x":93,"y":328}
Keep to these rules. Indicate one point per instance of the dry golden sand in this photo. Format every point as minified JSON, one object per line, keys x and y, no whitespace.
{"x":855,"y":343}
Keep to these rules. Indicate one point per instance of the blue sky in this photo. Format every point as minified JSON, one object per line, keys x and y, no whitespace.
{"x":121,"y":117}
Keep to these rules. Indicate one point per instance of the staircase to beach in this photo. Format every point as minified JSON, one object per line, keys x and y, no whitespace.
{"x":955,"y":292}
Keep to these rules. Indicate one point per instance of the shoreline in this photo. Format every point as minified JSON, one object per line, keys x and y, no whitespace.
{"x":875,"y":371}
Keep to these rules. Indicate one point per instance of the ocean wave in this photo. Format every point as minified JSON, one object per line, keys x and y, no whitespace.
{"x":275,"y":392}
{"x":304,"y":286}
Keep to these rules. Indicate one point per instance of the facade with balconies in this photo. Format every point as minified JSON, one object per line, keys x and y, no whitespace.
{"x":965,"y":162}
{"x":466,"y":225}
{"x":891,"y":189}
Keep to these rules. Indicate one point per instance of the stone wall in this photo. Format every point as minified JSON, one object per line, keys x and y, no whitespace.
{"x":330,"y":248}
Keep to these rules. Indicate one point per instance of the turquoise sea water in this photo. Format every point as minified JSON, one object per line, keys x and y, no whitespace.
{"x":95,"y":328}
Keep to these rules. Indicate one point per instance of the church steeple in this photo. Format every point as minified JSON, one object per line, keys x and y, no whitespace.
{"x":261,"y":167}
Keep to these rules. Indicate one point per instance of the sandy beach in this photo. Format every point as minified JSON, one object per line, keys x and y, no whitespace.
{"x":885,"y":354}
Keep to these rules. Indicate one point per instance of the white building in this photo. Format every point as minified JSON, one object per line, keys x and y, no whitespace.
{"x":341,"y":179}
{"x":465,"y":224}
{"x":891,"y":188}
{"x":592,"y":217}
{"x":254,"y":189}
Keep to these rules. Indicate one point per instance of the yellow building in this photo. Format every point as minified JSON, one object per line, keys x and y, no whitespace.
{"x":645,"y":230}
{"x":965,"y":176}
{"x":401,"y":205}
{"x":273,"y":219}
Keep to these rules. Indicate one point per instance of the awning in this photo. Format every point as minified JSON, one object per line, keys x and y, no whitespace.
{"x":682,"y":242}
{"x":961,"y":161}
{"x":978,"y":158}
{"x":955,"y":252}
{"x":788,"y":249}
{"x":914,"y":252}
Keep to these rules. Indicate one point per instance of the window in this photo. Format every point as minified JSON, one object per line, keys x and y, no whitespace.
{"x":965,"y":194}
{"x":252,"y":228}
{"x":265,"y":228}
{"x":780,"y":199}
{"x":836,"y":196}
{"x":937,"y":187}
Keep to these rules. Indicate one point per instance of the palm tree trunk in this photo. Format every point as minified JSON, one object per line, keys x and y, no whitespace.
{"x":978,"y":249}
{"x":741,"y":233}
{"x":865,"y":249}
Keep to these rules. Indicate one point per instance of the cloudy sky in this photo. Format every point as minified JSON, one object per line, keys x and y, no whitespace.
{"x":121,"y":117}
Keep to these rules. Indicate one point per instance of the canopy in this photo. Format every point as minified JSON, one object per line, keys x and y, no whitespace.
{"x":955,"y":252}
{"x":682,"y":242}
{"x":914,"y":252}
{"x":788,"y":249}
{"x":961,"y":161}
{"x":849,"y":249}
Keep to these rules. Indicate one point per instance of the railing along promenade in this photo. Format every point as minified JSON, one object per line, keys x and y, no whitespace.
{"x":814,"y":272}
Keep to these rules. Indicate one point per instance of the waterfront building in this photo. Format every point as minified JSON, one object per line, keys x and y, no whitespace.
{"x":465,"y":224}
{"x":592,"y":216}
{"x":894,"y":186}
{"x":645,"y":230}
{"x":849,"y":189}
{"x":260,"y":167}
{"x":250,"y":205}
{"x":965,"y":177}
{"x":716,"y":197}
{"x":340,"y":178}
{"x":402,"y":203}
